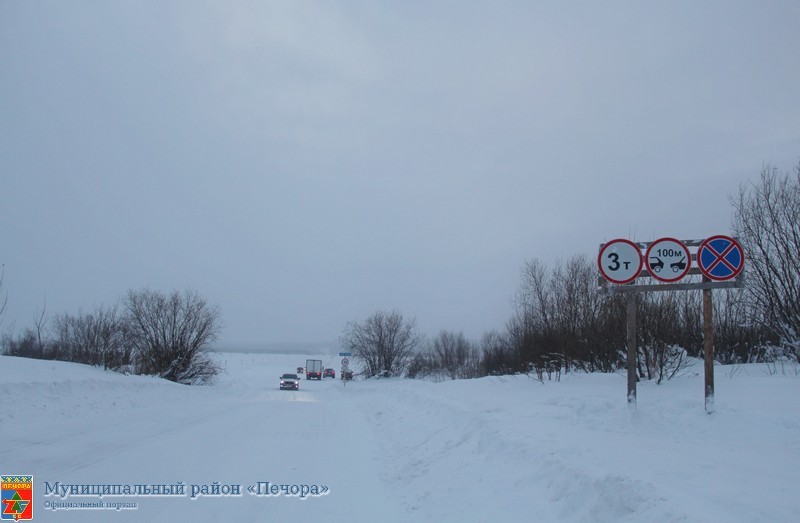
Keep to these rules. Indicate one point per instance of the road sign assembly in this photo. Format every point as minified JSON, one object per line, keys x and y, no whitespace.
{"x":720,"y":261}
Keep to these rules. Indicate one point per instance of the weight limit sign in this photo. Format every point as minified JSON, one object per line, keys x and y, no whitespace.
{"x":620,"y":261}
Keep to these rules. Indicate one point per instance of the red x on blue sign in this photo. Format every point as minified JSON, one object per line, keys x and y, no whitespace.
{"x":720,"y":258}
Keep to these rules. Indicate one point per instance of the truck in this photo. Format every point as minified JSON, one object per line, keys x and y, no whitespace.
{"x":314,"y":369}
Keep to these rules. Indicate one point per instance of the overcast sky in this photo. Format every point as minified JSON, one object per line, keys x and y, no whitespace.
{"x":302,"y":164}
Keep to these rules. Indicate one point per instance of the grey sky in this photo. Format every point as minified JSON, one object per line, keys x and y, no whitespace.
{"x":302,"y":164}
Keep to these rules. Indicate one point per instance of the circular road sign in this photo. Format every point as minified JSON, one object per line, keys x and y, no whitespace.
{"x":345,"y":362}
{"x":720,"y":258}
{"x":620,"y":261}
{"x":668,"y":260}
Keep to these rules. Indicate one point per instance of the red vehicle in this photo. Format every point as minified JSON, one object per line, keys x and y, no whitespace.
{"x":328,"y":373}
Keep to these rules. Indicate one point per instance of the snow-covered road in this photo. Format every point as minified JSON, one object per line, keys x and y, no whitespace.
{"x":506,"y":448}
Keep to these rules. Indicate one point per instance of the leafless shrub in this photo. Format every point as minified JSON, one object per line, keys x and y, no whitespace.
{"x":383,"y":342}
{"x":170,"y":334}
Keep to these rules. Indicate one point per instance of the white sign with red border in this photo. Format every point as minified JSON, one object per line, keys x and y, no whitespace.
{"x":668,"y":260}
{"x":620,"y":261}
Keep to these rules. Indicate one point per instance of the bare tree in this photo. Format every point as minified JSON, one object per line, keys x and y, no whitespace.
{"x":563,"y":320}
{"x":497,"y":355}
{"x":39,"y":323}
{"x":419,"y":365}
{"x":170,"y":335}
{"x":454,"y":355}
{"x":383,"y":342}
{"x":23,"y":346}
{"x":532,"y":330}
{"x":33,"y":342}
{"x":93,"y":338}
{"x":580,"y":308}
{"x":767,"y":220}
{"x":3,"y":293}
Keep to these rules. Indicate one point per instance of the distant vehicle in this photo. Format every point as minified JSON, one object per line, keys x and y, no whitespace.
{"x":301,"y":370}
{"x":347,"y":374}
{"x":328,"y":373}
{"x":314,"y":369}
{"x":290,"y":382}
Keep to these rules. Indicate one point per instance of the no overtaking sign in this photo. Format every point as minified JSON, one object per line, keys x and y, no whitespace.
{"x":668,"y":260}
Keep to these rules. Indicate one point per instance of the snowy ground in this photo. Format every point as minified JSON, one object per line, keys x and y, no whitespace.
{"x":509,"y":449}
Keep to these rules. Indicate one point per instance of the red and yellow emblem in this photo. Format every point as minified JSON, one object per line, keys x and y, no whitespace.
{"x":16,"y":498}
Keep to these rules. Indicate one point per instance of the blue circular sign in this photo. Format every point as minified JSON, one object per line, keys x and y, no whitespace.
{"x":720,"y":258}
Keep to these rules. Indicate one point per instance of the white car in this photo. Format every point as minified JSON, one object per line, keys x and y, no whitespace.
{"x":290,"y":381}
